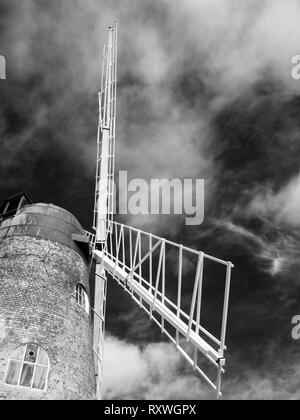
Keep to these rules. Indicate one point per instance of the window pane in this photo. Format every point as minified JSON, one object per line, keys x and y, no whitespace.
{"x":39,"y":381}
{"x":27,"y":373}
{"x":13,"y":372}
{"x":42,"y":358}
{"x":86,"y":303}
{"x":19,"y":353}
{"x":82,"y":298}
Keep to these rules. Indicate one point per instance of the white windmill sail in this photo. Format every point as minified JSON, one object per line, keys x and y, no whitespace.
{"x":104,"y":189}
{"x":164,"y":279}
{"x":105,"y":168}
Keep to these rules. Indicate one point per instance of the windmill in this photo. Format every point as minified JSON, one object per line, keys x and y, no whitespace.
{"x":138,"y":260}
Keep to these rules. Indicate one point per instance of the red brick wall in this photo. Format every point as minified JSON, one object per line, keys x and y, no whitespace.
{"x":38,"y":279}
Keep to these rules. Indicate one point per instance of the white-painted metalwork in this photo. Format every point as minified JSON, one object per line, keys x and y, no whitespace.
{"x":105,"y":168}
{"x":104,"y":187}
{"x":165,"y":279}
{"x":138,"y":261}
{"x":99,"y":311}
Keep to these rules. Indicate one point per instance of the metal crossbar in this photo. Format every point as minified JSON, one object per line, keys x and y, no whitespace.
{"x":138,"y":261}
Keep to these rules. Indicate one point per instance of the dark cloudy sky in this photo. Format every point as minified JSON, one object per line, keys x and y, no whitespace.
{"x":205,"y":91}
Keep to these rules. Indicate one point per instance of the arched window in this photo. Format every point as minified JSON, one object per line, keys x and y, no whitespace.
{"x":82,"y":298}
{"x":28,"y":367}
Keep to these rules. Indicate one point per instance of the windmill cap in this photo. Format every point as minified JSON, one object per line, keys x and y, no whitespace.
{"x":50,"y":222}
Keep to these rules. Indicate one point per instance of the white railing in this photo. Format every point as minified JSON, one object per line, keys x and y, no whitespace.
{"x":167,"y":280}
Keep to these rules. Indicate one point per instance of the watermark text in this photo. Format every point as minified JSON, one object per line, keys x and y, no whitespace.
{"x":296,"y":67}
{"x":159,"y":197}
{"x":296,"y":329}
{"x":2,"y":67}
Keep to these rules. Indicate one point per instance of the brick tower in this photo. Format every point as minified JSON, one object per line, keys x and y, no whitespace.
{"x":46,"y":349}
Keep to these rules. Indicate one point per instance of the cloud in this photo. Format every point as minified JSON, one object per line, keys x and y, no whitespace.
{"x":284,"y":205}
{"x":273,"y":248}
{"x":238,"y":43}
{"x":153,"y":372}
{"x":170,"y":85}
{"x":260,"y":387}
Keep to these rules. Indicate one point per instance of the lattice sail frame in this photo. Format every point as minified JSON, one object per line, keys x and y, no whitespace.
{"x":122,"y":252}
{"x":104,"y":189}
{"x":125,"y":256}
{"x":106,"y":138}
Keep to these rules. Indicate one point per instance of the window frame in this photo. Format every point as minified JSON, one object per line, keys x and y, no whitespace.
{"x":24,"y":362}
